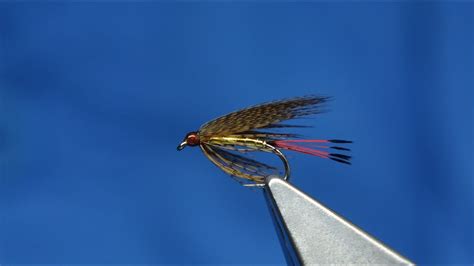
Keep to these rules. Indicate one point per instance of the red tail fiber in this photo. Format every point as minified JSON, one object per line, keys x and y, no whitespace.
{"x":292,"y":145}
{"x":307,"y":140}
{"x":286,"y":144}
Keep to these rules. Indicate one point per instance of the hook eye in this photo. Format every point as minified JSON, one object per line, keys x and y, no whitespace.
{"x":182,"y":145}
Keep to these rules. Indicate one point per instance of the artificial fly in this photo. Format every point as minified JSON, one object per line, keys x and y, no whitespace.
{"x":227,"y":139}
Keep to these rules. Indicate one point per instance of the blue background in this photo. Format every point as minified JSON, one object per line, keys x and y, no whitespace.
{"x":95,"y":98}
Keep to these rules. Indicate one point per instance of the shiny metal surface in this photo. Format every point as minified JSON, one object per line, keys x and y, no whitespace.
{"x":310,"y":233}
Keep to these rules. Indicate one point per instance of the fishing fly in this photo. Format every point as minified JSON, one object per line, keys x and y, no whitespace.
{"x":226,"y":140}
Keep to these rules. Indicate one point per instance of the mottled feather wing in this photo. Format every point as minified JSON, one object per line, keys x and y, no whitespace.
{"x":263,"y":115}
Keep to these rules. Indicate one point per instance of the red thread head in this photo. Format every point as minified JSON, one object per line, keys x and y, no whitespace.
{"x":192,"y":139}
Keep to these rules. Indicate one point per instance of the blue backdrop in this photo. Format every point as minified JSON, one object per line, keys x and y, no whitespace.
{"x":95,"y":97}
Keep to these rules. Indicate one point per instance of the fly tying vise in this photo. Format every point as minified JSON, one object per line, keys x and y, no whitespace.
{"x":224,"y":140}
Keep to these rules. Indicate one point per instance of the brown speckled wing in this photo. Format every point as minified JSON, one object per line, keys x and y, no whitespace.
{"x":263,"y":115}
